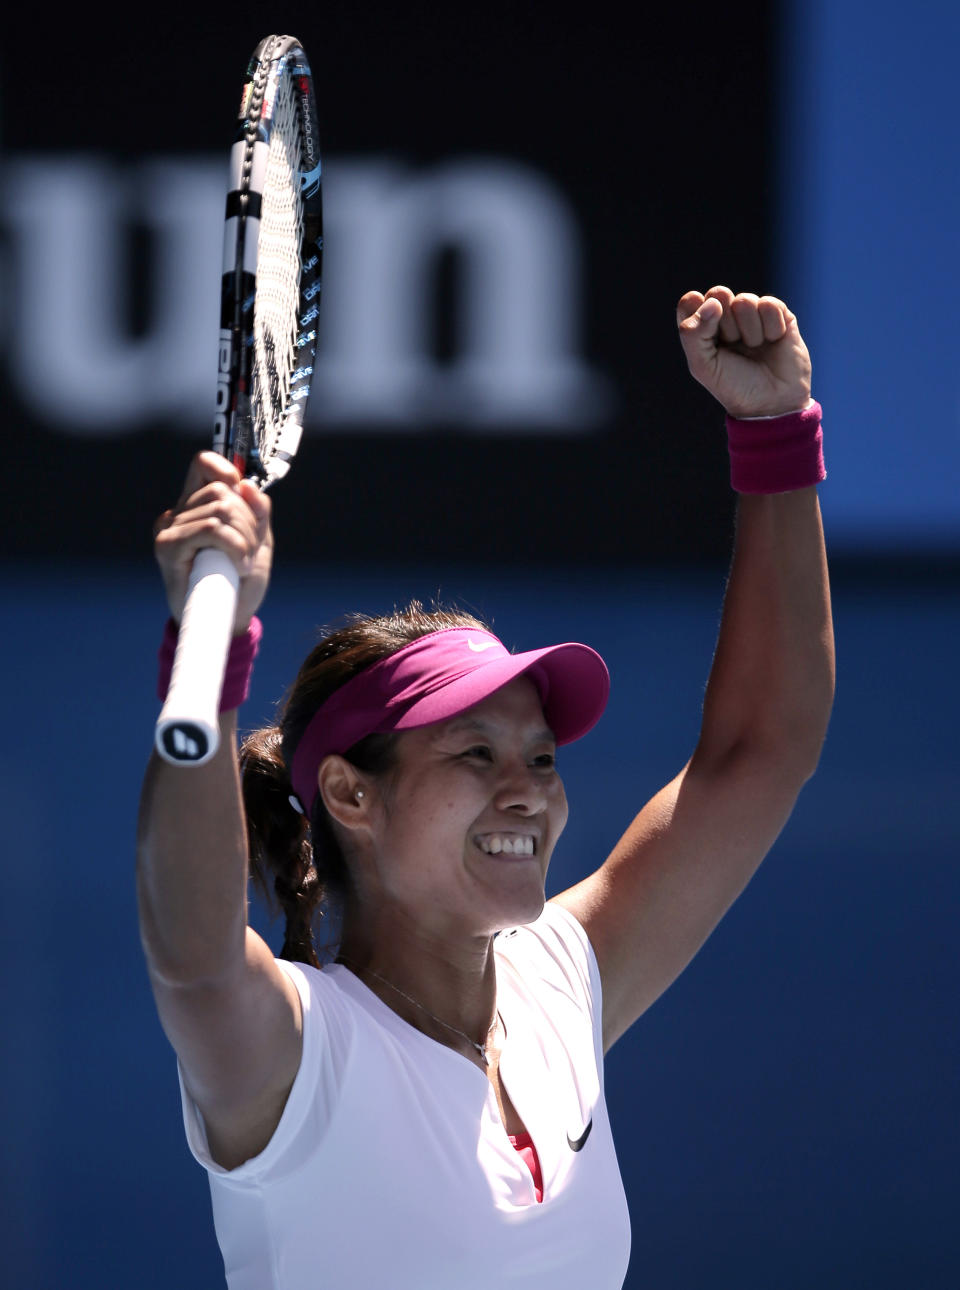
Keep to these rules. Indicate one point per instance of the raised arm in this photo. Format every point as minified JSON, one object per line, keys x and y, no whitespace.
{"x":695,"y":845}
{"x":231,"y":1014}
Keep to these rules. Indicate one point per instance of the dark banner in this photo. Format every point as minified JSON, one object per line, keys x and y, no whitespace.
{"x":514,"y":200}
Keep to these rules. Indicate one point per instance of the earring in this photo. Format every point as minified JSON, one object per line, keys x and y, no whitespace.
{"x":359,"y":794}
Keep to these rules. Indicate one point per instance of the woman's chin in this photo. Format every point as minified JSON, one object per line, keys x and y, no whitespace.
{"x":520,"y":911}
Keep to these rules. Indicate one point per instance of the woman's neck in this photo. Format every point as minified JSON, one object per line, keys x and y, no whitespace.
{"x":445,"y":988}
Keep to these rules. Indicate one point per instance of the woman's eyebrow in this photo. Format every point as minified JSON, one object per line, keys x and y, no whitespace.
{"x":459,"y":725}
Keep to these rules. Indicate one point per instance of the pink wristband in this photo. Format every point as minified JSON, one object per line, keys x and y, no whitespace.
{"x":776,"y":454}
{"x":237,"y":673}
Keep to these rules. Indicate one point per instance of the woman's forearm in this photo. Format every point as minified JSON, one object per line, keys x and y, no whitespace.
{"x":771,"y":685}
{"x":191,"y":844}
{"x":192,"y":866}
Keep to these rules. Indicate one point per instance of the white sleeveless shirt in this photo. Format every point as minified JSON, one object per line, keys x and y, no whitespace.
{"x":391,"y":1169}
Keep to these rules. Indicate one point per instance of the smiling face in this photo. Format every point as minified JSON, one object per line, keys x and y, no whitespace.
{"x":469,"y":818}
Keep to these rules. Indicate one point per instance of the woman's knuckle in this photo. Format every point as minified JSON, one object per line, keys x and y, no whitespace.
{"x":210,"y":526}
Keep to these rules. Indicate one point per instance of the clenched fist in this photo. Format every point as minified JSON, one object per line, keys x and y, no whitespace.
{"x":746,"y":350}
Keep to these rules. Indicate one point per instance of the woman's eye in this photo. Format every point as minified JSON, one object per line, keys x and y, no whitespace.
{"x":479,"y":750}
{"x":545,"y":761}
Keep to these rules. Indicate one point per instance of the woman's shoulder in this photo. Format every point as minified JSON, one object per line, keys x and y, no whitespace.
{"x":317,"y":987}
{"x":553,"y":947}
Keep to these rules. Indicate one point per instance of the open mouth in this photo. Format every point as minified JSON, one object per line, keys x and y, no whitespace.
{"x":508,"y":844}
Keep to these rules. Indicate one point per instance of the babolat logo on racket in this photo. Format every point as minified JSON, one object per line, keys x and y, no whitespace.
{"x":310,"y":182}
{"x":221,"y":418}
{"x":185,"y":742}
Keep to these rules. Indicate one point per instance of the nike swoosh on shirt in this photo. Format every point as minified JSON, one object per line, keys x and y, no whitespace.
{"x":479,"y":646}
{"x":576,"y":1143}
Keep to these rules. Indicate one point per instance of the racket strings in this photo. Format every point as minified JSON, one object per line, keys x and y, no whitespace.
{"x":277,"y":304}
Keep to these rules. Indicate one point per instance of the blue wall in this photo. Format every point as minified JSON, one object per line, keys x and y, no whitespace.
{"x":869,"y":205}
{"x":786,"y":1114}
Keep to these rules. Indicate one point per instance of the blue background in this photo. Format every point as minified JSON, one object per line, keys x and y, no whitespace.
{"x":868,"y":212}
{"x":787,"y":1114}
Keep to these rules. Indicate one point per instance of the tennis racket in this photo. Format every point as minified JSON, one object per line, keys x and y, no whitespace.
{"x":270,"y":298}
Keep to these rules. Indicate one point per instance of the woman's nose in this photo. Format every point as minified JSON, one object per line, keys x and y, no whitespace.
{"x":521,"y":789}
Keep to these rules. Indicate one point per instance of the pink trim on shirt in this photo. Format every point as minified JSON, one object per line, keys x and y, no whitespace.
{"x":528,"y":1152}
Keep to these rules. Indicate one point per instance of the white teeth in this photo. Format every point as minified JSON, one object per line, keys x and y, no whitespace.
{"x":508,"y":843}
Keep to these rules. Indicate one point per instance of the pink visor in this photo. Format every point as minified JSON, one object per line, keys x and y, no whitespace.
{"x":437,"y":677}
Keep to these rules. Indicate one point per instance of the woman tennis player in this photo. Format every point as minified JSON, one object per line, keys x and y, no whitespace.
{"x":427,"y":1112}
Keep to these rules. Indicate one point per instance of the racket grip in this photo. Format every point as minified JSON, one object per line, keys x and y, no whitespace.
{"x":188,"y":729}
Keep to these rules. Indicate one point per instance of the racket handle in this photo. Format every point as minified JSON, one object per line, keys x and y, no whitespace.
{"x":188,"y":729}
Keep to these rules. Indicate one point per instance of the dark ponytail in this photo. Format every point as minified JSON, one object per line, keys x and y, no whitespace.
{"x":279,"y":842}
{"x":303,"y":867}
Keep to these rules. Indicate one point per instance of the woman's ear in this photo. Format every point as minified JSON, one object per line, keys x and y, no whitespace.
{"x":344,"y":793}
